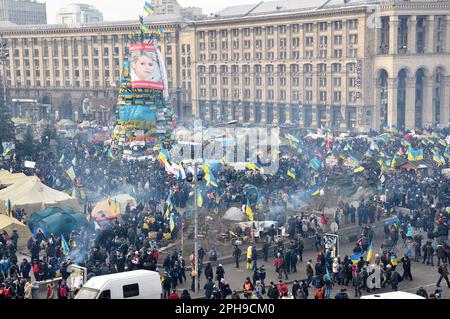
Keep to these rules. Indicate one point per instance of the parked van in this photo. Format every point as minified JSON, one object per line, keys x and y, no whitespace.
{"x":138,"y":284}
{"x":393,"y":295}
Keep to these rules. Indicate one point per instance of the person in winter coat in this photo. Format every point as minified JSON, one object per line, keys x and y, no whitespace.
{"x":422,"y":292}
{"x":428,"y":254}
{"x":209,"y":273}
{"x":209,"y":287}
{"x":220,"y":273}
{"x":249,"y":257}
{"x":272,"y":292}
{"x":309,"y":272}
{"x":185,"y":294}
{"x":237,"y":255}
{"x":248,"y":288}
{"x":173,"y":295}
{"x":282,"y":289}
{"x":342,"y":295}
{"x":295,"y":289}
{"x":357,"y":283}
{"x":395,"y":279}
{"x":406,"y":268}
{"x":443,"y":272}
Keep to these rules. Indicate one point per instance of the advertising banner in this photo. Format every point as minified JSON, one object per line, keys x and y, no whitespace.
{"x":145,"y":70}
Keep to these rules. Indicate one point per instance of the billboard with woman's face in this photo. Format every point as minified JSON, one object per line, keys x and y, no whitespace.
{"x":145,"y":69}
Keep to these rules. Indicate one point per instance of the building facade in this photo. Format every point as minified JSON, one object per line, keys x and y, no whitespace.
{"x":68,"y":66}
{"x":344,"y":65}
{"x":78,"y":13}
{"x":23,"y":12}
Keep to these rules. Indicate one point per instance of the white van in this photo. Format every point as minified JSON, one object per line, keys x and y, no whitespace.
{"x":393,"y":295}
{"x":138,"y":284}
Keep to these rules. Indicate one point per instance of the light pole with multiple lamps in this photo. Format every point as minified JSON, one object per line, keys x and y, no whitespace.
{"x":4,"y":55}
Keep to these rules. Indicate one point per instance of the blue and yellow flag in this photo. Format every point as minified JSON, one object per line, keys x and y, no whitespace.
{"x":64,"y":246}
{"x":370,"y":252}
{"x":8,"y":148}
{"x":149,"y":8}
{"x":199,"y":199}
{"x":438,"y":158}
{"x":315,"y":163}
{"x":359,"y":169}
{"x":291,"y":173}
{"x":171,"y":223}
{"x":355,"y":258}
{"x":249,"y":211}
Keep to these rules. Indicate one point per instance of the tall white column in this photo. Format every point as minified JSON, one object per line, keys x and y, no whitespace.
{"x":392,"y":101}
{"x":429,"y":35}
{"x":410,"y":103}
{"x":376,"y":123}
{"x":445,"y":102}
{"x":428,"y":110}
{"x":412,"y":31}
{"x":393,"y":34}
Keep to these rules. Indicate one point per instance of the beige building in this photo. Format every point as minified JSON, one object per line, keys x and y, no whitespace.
{"x":68,"y":66}
{"x":355,"y":65}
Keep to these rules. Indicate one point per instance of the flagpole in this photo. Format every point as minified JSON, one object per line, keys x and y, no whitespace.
{"x":195,"y":231}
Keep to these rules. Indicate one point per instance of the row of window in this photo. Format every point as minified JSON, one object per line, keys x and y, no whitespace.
{"x":270,"y":95}
{"x":282,"y":29}
{"x":282,"y":55}
{"x":283,"y":43}
{"x":280,"y":68}
{"x":270,"y":81}
{"x":65,"y":52}
{"x":67,"y":74}
{"x":59,"y":84}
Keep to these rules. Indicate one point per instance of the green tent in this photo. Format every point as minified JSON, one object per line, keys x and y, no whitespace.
{"x":57,"y":221}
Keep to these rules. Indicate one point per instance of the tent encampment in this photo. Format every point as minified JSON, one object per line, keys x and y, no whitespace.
{"x":113,"y":207}
{"x":57,"y":221}
{"x":7,"y":178}
{"x":32,"y":195}
{"x":10,"y":224}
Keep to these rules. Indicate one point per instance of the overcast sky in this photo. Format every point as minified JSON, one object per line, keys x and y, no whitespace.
{"x":130,"y":9}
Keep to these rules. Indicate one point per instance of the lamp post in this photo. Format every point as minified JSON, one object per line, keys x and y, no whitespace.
{"x":4,"y":54}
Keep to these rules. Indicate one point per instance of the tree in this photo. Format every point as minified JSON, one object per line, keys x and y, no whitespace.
{"x":7,"y":128}
{"x":48,"y":134}
{"x":27,"y":146}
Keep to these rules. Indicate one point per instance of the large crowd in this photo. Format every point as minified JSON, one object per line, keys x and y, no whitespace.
{"x":125,"y":245}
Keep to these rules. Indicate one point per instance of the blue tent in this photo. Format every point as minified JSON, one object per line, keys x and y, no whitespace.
{"x":57,"y":221}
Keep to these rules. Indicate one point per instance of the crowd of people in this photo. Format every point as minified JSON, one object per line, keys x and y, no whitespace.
{"x":133,"y":242}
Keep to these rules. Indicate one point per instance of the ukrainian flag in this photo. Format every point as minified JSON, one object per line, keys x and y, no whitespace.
{"x":315,"y":190}
{"x":145,"y":28}
{"x":149,"y":8}
{"x":370,"y":252}
{"x":438,"y":158}
{"x":394,"y":161}
{"x":315,"y":163}
{"x":172,"y":223}
{"x":163,"y":156}
{"x":447,"y":154}
{"x":293,"y":137}
{"x":291,"y":173}
{"x":248,"y":210}
{"x":199,"y":199}
{"x":64,"y":246}
{"x":355,"y":258}
{"x":359,"y":169}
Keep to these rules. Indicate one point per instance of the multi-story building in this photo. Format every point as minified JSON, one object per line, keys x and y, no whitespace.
{"x":64,"y":65}
{"x":173,"y":7}
{"x":23,"y":12}
{"x":346,"y":65}
{"x":77,"y":13}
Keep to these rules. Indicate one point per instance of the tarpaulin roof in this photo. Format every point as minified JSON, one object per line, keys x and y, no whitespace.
{"x":57,"y":221}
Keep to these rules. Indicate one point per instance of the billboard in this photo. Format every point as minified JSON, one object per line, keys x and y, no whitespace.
{"x":145,"y":67}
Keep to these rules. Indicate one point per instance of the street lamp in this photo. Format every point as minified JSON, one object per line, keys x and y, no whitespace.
{"x":4,"y":55}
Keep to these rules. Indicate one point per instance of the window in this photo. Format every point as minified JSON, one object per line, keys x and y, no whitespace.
{"x":352,"y":96}
{"x":336,"y":67}
{"x":337,"y":25}
{"x":235,"y":32}
{"x":270,"y":43}
{"x":308,"y":27}
{"x":282,"y":29}
{"x":308,"y":96}
{"x":309,"y":54}
{"x":353,"y":53}
{"x":246,"y":44}
{"x":283,"y":43}
{"x":106,"y":294}
{"x":352,"y":24}
{"x":322,"y":26}
{"x":337,"y":81}
{"x":309,"y":41}
{"x":307,"y":68}
{"x":352,"y":82}
{"x":336,"y":96}
{"x":322,"y":96}
{"x":322,"y":82}
{"x":270,"y":30}
{"x":337,"y":39}
{"x":246,"y":32}
{"x":295,"y":28}
{"x":353,"y":39}
{"x":308,"y":82}
{"x":337,"y":53}
{"x":295,"y":42}
{"x":130,"y":290}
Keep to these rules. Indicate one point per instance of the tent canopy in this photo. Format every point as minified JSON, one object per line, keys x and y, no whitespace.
{"x":113,"y":207}
{"x":7,"y":178}
{"x":10,"y":224}
{"x":234,"y":214}
{"x":32,"y":195}
{"x":57,"y":221}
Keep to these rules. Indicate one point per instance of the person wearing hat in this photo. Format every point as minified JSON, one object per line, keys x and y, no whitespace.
{"x":422,"y":292}
{"x":342,"y":294}
{"x":25,"y":268}
{"x":295,"y":289}
{"x":220,"y":273}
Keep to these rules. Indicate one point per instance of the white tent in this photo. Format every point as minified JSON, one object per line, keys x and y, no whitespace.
{"x":32,"y":195}
{"x":7,"y":178}
{"x":234,"y":214}
{"x":10,"y":224}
